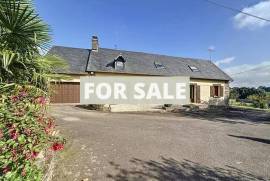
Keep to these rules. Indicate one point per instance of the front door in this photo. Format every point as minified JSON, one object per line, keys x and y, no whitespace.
{"x":195,"y":93}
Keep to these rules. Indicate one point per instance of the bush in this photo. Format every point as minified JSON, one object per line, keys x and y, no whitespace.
{"x":260,"y":101}
{"x":25,"y":131}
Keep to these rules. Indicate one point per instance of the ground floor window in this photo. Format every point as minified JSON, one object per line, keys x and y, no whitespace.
{"x":216,"y":91}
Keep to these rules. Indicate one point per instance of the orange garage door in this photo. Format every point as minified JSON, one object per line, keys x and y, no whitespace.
{"x":67,"y":92}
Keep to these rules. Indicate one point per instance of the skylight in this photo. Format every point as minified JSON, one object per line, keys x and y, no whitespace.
{"x":193,"y":68}
{"x":159,"y":65}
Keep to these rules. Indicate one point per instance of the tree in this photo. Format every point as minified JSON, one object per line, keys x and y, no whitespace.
{"x":23,"y":36}
{"x":21,"y":28}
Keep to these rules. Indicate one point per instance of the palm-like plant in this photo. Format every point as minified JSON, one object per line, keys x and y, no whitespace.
{"x":23,"y":35}
{"x":21,"y":28}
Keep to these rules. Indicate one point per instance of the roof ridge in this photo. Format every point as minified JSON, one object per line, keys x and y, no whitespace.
{"x":129,"y":51}
{"x":156,"y":54}
{"x":70,"y":47}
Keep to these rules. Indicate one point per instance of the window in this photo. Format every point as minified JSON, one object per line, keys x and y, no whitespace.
{"x":193,"y":68}
{"x":119,"y":63}
{"x":216,"y":91}
{"x":159,"y":65}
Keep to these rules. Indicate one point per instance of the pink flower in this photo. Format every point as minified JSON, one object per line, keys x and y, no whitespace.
{"x":23,"y":94}
{"x":13,"y":134}
{"x":6,"y":170}
{"x":14,"y":98}
{"x":31,"y":155}
{"x":34,"y":154}
{"x":27,"y":132}
{"x":57,"y":147}
{"x":41,"y":100}
{"x":47,"y":130}
{"x":51,"y":123}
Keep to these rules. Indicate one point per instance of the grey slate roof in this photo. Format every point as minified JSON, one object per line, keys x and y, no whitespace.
{"x":76,"y":58}
{"x":137,"y":63}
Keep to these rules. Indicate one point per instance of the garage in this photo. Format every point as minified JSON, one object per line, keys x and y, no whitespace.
{"x":66,"y":92}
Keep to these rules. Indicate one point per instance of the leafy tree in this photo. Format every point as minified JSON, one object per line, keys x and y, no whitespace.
{"x":234,"y":94}
{"x":244,"y":92}
{"x":267,"y":89}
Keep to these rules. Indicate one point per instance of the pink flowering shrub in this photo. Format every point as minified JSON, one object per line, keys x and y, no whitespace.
{"x":25,"y":131}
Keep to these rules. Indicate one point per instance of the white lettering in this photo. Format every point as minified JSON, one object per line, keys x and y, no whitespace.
{"x":108,"y":91}
{"x":180,"y":90}
{"x":88,"y":89}
{"x":153,"y":91}
{"x":138,"y":89}
{"x":119,"y":91}
{"x":166,"y":92}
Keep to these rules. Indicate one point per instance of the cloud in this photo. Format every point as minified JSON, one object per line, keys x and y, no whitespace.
{"x":261,"y":9}
{"x":250,"y":75}
{"x":211,"y":48}
{"x":225,"y":61}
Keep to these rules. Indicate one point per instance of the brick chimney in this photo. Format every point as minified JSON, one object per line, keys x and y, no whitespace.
{"x":94,"y":43}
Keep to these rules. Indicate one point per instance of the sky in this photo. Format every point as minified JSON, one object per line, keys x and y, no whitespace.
{"x":185,"y":28}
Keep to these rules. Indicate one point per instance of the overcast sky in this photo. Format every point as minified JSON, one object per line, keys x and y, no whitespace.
{"x":186,"y":28}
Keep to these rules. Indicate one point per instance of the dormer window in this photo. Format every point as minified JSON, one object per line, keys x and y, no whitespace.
{"x":193,"y":68}
{"x":159,"y":65}
{"x":119,"y":63}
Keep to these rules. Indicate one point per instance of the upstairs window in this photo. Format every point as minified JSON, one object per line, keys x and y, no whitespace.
{"x":193,"y":68}
{"x":159,"y":65}
{"x":119,"y":63}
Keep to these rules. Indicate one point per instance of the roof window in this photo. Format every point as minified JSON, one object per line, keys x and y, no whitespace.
{"x":159,"y":65}
{"x":193,"y":68}
{"x":119,"y":63}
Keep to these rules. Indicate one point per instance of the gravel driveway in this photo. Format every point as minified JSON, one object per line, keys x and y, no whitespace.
{"x":231,"y":145}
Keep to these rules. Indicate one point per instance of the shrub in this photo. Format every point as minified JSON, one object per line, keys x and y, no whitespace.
{"x":260,"y":100}
{"x":26,"y":130}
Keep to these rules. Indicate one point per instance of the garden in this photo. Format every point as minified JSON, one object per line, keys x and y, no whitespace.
{"x":28,"y":139}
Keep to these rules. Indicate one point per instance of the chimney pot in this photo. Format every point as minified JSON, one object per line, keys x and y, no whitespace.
{"x":95,"y":43}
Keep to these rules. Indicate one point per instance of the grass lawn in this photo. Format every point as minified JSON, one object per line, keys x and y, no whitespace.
{"x":233,"y":103}
{"x":249,"y":107}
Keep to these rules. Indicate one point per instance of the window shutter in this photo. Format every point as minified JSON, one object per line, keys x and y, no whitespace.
{"x":198,"y":94}
{"x":212,"y":91}
{"x":221,"y":91}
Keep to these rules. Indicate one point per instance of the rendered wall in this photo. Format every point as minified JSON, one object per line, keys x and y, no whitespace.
{"x":203,"y":83}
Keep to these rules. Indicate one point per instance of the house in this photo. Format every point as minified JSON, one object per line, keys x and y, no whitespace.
{"x":208,"y":83}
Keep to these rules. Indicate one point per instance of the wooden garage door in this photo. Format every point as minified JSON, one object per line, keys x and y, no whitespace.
{"x":68,"y":92}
